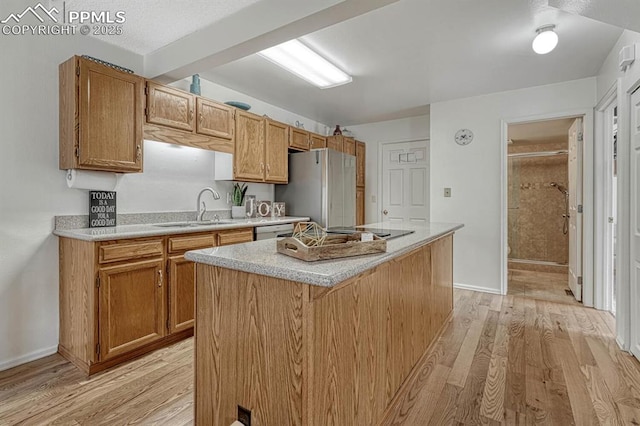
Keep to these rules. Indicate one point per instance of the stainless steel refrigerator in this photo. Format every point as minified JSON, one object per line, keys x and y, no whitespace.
{"x":322,"y":185}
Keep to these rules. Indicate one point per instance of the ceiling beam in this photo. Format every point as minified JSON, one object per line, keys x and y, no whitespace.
{"x":248,"y":32}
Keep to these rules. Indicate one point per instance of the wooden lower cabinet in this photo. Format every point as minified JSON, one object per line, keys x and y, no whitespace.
{"x":182,"y":275}
{"x":121,"y":299}
{"x":131,"y":307}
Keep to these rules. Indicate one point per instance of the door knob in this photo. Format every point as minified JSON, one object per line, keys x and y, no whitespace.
{"x":385,"y":212}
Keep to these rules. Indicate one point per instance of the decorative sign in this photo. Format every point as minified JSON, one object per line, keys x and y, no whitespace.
{"x":264,"y":208}
{"x":277,"y":209}
{"x":102,"y":209}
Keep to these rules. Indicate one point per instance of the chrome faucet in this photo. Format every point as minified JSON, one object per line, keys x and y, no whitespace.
{"x":201,"y":207}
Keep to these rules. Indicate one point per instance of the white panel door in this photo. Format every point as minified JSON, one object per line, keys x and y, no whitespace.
{"x":405,"y":182}
{"x":575,"y":215}
{"x":635,"y":223}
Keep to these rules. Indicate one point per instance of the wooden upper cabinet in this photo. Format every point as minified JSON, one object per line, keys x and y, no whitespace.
{"x":276,"y":154}
{"x":317,"y":141}
{"x":248,"y":159}
{"x":298,"y":139}
{"x":132,"y":304}
{"x":214,"y":119}
{"x":361,"y":152}
{"x":335,"y":142}
{"x":349,"y":146}
{"x":170,"y":107}
{"x":101,"y":115}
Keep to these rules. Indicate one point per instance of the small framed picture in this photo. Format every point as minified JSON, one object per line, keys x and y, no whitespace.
{"x":278,"y":209}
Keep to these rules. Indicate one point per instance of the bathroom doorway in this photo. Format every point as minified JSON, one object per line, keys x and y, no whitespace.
{"x":544,"y":209}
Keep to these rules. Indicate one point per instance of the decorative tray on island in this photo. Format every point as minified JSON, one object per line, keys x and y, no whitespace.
{"x":311,"y":243}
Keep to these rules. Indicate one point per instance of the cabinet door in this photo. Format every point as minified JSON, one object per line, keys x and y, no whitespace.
{"x":361,"y":151}
{"x":248,"y":160}
{"x":335,"y":142}
{"x":182,"y":274}
{"x":214,"y":119}
{"x":131,"y":307}
{"x":359,"y":206}
{"x":317,"y":141}
{"x":298,"y":139}
{"x":276,"y":137}
{"x":170,"y":107}
{"x":111,"y":110}
{"x":349,"y":146}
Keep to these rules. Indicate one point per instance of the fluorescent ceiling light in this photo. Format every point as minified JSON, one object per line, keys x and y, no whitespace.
{"x":298,"y":59}
{"x":546,"y":40}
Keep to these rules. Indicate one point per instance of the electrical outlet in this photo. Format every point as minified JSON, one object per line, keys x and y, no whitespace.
{"x":244,"y":416}
{"x":447,"y":192}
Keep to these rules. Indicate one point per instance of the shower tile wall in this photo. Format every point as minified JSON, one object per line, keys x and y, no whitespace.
{"x":535,"y":207}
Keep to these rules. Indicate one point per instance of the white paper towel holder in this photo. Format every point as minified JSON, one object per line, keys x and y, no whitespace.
{"x":70,"y":175}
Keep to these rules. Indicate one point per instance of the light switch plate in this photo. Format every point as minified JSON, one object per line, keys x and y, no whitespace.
{"x":373,"y":198}
{"x":447,"y":192}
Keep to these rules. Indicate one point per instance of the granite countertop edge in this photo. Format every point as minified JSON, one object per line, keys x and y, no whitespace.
{"x":308,"y":277}
{"x":153,"y":230}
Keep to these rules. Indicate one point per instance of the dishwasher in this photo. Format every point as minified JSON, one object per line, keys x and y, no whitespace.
{"x":272,"y":231}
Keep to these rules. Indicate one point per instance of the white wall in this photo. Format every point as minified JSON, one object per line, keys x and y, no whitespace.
{"x":33,"y":190}
{"x":609,"y":72}
{"x":474,"y":171}
{"x":405,"y":129}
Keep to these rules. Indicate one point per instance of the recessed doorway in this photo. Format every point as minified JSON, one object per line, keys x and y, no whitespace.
{"x":544,"y":209}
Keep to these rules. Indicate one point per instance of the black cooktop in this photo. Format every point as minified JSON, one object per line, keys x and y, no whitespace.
{"x":387,"y":234}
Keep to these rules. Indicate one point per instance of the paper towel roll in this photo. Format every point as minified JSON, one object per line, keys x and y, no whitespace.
{"x":236,"y":423}
{"x":97,"y":181}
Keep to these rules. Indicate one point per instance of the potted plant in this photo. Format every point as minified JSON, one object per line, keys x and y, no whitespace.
{"x":239,"y":191}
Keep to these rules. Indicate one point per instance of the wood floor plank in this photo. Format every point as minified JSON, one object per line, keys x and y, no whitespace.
{"x":462,"y":364}
{"x":493,"y":395}
{"x":470,"y":398}
{"x":514,"y":361}
{"x":581,"y":405}
{"x":603,"y":403}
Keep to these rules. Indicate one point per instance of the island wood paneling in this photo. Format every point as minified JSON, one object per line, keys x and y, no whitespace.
{"x":248,"y":347}
{"x":297,"y":354}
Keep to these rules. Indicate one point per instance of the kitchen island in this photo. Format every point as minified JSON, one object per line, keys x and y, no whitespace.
{"x":320,"y":343}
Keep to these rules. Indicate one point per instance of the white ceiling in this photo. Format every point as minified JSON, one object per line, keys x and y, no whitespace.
{"x":152,"y":24}
{"x":415,"y":52}
{"x":403,"y":55}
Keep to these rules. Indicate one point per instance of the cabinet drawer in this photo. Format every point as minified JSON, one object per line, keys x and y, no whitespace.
{"x":191,"y":242}
{"x":235,"y":236}
{"x":129,"y":250}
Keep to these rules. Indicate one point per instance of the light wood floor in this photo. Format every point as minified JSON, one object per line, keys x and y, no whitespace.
{"x":501,"y":360}
{"x":549,"y":286}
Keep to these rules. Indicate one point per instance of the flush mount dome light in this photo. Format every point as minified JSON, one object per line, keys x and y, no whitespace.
{"x":546,"y":40}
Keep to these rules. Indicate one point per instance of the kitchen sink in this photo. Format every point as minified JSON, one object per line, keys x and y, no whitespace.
{"x":192,"y":223}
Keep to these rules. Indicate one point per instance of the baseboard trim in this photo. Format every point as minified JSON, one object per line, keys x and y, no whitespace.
{"x":32,"y":356}
{"x":476,"y":288}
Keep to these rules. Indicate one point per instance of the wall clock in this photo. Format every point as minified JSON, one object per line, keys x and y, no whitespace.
{"x":464,"y":137}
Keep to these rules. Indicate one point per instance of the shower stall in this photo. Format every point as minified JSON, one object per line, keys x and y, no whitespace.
{"x":538,"y":202}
